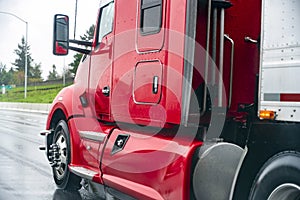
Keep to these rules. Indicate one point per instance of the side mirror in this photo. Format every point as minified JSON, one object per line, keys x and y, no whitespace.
{"x":61,"y":35}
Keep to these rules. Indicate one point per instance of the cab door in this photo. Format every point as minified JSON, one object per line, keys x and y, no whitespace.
{"x":99,"y":93}
{"x":100,"y":83}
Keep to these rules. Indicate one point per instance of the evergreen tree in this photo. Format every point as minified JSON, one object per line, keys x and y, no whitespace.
{"x":74,"y":65}
{"x":18,"y":78}
{"x":36,"y":71}
{"x":3,"y":74}
{"x":89,"y":34}
{"x":10,"y":74}
{"x":20,"y":61}
{"x":6,"y":77}
{"x":53,"y":75}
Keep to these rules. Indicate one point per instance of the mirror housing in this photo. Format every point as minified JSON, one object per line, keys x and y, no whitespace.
{"x":61,"y":35}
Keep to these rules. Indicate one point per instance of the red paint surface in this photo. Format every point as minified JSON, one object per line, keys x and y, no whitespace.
{"x":152,"y":164}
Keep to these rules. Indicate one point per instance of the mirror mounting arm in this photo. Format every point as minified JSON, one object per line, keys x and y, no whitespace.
{"x":84,"y":51}
{"x":79,"y":42}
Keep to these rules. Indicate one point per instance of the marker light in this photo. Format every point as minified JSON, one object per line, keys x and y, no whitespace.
{"x":267,"y":114}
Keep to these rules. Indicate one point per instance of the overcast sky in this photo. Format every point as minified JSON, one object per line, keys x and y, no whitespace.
{"x":39,"y":15}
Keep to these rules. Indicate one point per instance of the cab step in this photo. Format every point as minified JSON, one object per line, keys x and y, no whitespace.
{"x":83,"y":172}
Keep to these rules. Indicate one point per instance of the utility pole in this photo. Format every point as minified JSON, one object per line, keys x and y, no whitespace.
{"x":75,"y":18}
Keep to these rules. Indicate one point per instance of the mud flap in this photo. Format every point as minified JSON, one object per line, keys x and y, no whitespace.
{"x":216,"y":171}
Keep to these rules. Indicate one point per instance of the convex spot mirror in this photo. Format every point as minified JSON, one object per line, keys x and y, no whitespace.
{"x":61,"y":35}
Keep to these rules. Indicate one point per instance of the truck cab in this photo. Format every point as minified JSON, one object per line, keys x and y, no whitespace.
{"x":169,"y":102}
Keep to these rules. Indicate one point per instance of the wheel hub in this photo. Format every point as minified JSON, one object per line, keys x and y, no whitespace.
{"x":54,"y":155}
{"x":287,"y":191}
{"x":58,"y":156}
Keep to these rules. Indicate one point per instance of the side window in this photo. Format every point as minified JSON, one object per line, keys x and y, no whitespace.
{"x":105,"y":25}
{"x":151,"y":16}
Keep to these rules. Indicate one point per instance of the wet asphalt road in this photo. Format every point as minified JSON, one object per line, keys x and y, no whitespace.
{"x":24,"y":170}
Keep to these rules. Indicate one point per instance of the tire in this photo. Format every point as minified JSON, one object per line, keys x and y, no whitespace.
{"x":63,"y":178}
{"x":278,"y":179}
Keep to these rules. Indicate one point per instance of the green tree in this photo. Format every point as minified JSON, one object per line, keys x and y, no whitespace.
{"x":18,"y":78}
{"x":2,"y":73}
{"x":53,"y":75}
{"x":36,"y":71}
{"x":36,"y":74}
{"x":20,"y":61}
{"x":74,"y":65}
{"x":89,"y":34}
{"x":6,"y":77}
{"x":10,"y":75}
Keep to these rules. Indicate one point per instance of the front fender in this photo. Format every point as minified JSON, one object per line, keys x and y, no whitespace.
{"x":66,"y":102}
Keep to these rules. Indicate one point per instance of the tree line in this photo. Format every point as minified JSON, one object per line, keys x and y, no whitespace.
{"x":15,"y":75}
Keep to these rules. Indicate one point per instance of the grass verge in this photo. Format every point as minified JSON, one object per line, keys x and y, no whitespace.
{"x":35,"y":94}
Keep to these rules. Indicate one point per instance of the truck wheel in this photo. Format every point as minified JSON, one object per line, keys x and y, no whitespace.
{"x":278,"y":179}
{"x":61,"y":147}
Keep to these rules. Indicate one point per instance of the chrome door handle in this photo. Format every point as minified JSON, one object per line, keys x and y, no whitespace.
{"x":155,"y":85}
{"x":250,"y":40}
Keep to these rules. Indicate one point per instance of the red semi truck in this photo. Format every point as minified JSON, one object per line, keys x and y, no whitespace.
{"x":181,"y":99}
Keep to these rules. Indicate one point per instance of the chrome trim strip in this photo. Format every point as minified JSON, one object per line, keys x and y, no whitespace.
{"x":83,"y":172}
{"x":262,"y":35}
{"x":204,"y":104}
{"x":221,"y":59}
{"x":189,"y":50}
{"x":231,"y":68}
{"x":95,"y":136}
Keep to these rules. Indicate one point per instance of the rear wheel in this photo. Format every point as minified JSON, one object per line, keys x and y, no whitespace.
{"x":278,"y":179}
{"x":285,"y":191}
{"x":61,"y":149}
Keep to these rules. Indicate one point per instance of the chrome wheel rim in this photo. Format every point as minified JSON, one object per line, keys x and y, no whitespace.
{"x":287,"y":191}
{"x":61,"y":168}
